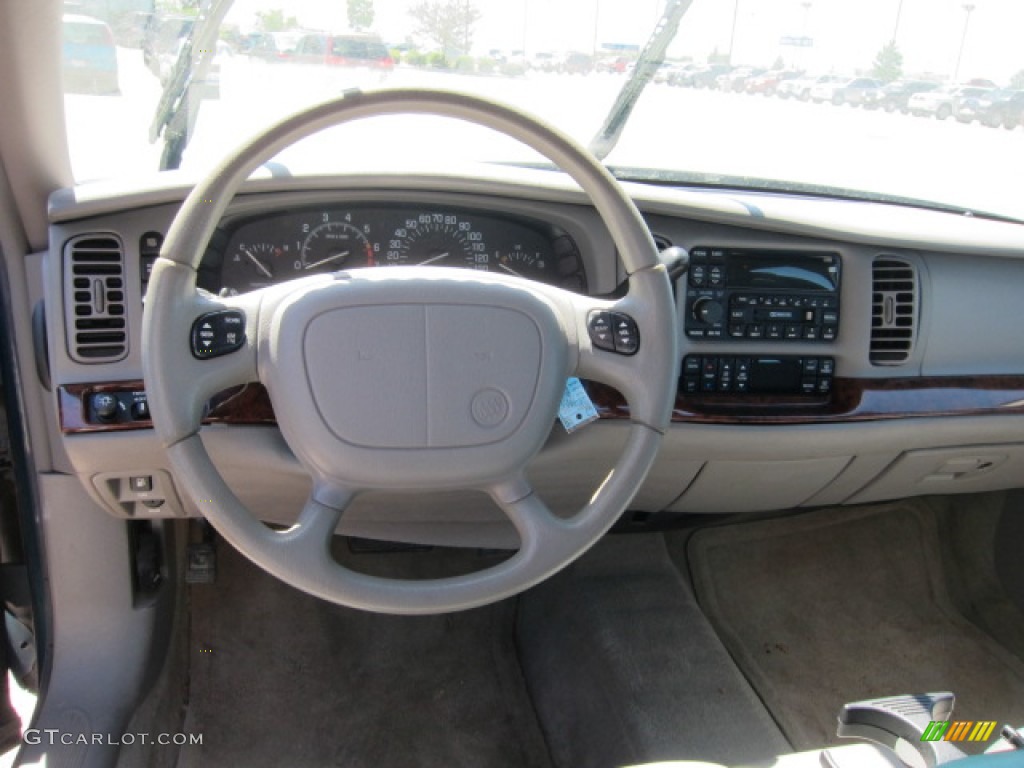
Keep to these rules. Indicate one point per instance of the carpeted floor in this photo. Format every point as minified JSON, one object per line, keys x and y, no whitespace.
{"x":624,"y":669}
{"x":281,"y":678}
{"x":839,"y":605}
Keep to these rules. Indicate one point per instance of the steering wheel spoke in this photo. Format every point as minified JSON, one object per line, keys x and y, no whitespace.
{"x":210,"y":345}
{"x":623,"y":344}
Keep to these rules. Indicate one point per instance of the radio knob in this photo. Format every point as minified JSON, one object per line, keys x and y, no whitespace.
{"x":708,"y":311}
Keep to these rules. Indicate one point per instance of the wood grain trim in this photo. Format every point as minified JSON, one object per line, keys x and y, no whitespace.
{"x":852,"y":400}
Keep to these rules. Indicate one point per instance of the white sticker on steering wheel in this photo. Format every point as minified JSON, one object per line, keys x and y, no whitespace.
{"x":576,"y":409}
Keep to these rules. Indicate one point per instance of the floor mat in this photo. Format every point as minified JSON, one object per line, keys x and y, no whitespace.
{"x":838,"y":605}
{"x":282,"y":678}
{"x":624,"y":669}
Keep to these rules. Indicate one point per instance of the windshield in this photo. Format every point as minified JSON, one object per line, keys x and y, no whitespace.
{"x":869,"y":99}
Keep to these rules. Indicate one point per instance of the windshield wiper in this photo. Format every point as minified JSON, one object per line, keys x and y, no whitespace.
{"x":646,"y":65}
{"x":178,"y":106}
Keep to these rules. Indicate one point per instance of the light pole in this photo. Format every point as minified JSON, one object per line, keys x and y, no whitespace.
{"x":969,"y":7}
{"x":732,"y":33}
{"x":899,"y":13}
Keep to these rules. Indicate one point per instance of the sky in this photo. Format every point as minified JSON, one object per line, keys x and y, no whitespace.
{"x":847,"y":34}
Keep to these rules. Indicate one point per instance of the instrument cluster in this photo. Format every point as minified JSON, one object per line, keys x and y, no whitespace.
{"x":251,"y":253}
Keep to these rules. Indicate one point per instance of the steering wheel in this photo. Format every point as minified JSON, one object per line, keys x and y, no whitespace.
{"x":408,"y":378}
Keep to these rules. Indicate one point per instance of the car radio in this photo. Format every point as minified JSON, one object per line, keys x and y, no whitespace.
{"x":762,"y":295}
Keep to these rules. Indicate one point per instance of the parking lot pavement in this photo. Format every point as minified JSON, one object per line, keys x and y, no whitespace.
{"x":697,"y":131}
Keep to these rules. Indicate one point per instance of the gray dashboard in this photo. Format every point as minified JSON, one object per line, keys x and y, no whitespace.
{"x":948,"y":418}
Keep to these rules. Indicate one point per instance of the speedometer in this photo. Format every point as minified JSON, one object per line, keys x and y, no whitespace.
{"x":442,"y":239}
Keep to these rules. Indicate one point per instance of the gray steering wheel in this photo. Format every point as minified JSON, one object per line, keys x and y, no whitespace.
{"x":459,"y":373}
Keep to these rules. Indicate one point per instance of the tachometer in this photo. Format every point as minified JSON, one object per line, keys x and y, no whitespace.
{"x":334,"y":245}
{"x":443,"y":239}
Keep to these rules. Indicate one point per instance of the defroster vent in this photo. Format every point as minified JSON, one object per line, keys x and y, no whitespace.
{"x":893,"y":310}
{"x":94,"y":291}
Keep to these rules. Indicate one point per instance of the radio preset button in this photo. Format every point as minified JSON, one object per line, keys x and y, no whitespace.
{"x":736,"y":331}
{"x":792,"y":331}
{"x":828,"y":333}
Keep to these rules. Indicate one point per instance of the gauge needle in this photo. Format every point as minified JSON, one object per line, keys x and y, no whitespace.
{"x":434,"y":258}
{"x":260,"y":265}
{"x":328,"y":260}
{"x":509,"y":270}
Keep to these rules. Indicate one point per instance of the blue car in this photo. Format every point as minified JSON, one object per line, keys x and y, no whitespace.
{"x":90,"y":58}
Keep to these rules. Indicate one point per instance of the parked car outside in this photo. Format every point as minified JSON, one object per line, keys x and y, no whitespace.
{"x":707,"y":76}
{"x":895,"y":95}
{"x":826,"y":87}
{"x":357,"y":50}
{"x":1001,"y":108}
{"x":801,"y":87}
{"x":768,"y":83}
{"x":859,"y":92}
{"x":940,"y":102}
{"x":736,"y":80}
{"x":89,"y":56}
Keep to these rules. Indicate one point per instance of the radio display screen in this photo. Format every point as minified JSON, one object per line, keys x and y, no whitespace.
{"x":772,"y":375}
{"x":754,"y":270}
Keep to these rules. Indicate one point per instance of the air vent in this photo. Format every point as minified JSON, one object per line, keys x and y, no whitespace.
{"x":94,"y":299}
{"x":893,"y":310}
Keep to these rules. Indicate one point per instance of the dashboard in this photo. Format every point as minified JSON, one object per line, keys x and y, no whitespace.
{"x":831,"y":352}
{"x":252,"y":252}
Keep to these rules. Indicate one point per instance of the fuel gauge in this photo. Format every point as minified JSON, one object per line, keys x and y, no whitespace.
{"x":252,"y":265}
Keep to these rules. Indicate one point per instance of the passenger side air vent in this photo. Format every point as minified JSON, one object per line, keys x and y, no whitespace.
{"x":94,"y":299}
{"x":893,"y":310}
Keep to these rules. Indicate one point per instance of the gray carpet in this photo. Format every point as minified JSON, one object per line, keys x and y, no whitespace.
{"x":844,"y":604}
{"x":624,"y":669}
{"x":281,"y":678}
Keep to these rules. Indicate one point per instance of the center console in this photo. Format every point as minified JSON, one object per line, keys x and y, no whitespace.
{"x":746,"y":298}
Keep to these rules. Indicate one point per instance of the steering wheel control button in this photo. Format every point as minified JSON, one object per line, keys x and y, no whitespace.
{"x":218,"y":333}
{"x":614,"y":332}
{"x":627,"y":337}
{"x":599,"y":324}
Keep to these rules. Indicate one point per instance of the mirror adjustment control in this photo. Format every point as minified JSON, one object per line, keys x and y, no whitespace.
{"x":614,"y":332}
{"x":218,"y":333}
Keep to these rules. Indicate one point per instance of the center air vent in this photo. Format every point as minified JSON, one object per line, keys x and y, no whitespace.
{"x":94,"y":299}
{"x":893,"y":310}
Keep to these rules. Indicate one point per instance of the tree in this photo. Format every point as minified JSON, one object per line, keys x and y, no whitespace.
{"x":447,"y":23}
{"x":888,"y":63}
{"x":275,"y":21}
{"x":360,"y":14}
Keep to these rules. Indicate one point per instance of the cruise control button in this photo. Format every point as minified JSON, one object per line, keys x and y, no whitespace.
{"x":218,"y":333}
{"x":599,"y":326}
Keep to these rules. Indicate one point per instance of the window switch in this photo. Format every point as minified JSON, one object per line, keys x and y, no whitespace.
{"x":141,"y":483}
